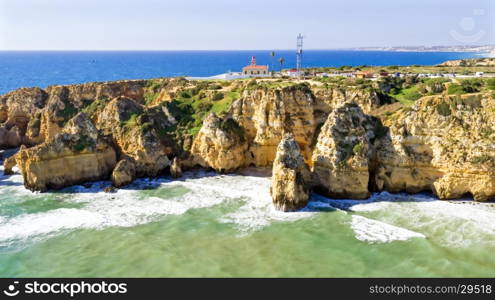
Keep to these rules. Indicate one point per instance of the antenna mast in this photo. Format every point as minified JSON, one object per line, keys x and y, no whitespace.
{"x":299,"y":54}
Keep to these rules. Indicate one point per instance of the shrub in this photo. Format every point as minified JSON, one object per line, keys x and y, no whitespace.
{"x":472,"y":85}
{"x":185,"y":94}
{"x":82,"y":143}
{"x":394,"y":91}
{"x":490,"y":83}
{"x":443,"y":109}
{"x":204,"y":106}
{"x":466,"y":86}
{"x":413,"y":95}
{"x":380,"y":130}
{"x":230,"y":125}
{"x":215,"y":87}
{"x":217,"y":96}
{"x":358,"y":148}
{"x":68,"y":112}
{"x":435,"y":85}
{"x":455,"y":89}
{"x":132,"y":120}
{"x":481,"y":159}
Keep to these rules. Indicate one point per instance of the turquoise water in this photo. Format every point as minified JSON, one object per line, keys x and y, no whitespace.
{"x":224,"y":225}
{"x":27,"y":69}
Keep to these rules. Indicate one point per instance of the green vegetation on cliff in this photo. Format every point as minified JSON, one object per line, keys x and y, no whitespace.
{"x":68,"y":111}
{"x":231,"y":126}
{"x":83,"y":142}
{"x":190,"y":107}
{"x":95,"y":106}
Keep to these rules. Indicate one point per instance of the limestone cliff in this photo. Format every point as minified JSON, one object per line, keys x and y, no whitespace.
{"x":220,"y":144}
{"x":266,"y":113}
{"x":17,"y":109}
{"x":342,"y":156}
{"x":291,"y":179}
{"x":134,"y":135}
{"x":75,"y":155}
{"x":443,"y":144}
{"x":330,"y":97}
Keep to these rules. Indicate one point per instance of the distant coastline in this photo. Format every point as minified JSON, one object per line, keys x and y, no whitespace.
{"x":28,"y":69}
{"x":483,"y":49}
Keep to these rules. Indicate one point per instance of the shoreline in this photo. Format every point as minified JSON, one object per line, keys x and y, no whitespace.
{"x":93,"y":68}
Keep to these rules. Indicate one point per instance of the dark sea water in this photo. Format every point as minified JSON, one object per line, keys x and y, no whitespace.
{"x":27,"y":69}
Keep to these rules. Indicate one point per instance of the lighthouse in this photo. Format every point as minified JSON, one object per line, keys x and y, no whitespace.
{"x":254,"y":70}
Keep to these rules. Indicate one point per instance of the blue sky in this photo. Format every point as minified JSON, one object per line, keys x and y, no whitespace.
{"x":231,"y":24}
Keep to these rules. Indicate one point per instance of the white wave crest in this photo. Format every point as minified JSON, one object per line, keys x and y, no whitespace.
{"x":373,"y":231}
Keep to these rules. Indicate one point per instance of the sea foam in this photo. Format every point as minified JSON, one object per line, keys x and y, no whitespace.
{"x":382,"y":218}
{"x":129,"y":207}
{"x":374,"y":231}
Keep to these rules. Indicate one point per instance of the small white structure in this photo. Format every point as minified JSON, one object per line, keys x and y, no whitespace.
{"x":293,"y":73}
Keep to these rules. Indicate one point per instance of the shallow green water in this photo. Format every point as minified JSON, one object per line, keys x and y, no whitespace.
{"x":224,"y":226}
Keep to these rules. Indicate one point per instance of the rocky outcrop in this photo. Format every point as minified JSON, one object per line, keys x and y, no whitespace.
{"x":76,"y":155}
{"x":267,"y":112}
{"x":17,"y":108}
{"x":329,"y":98}
{"x":175,"y":168}
{"x":444,"y":144}
{"x":124,"y":173}
{"x":134,"y":134}
{"x":471,"y":62}
{"x":342,"y":158}
{"x":39,"y":117}
{"x":11,"y":161}
{"x":8,"y":164}
{"x":290,"y":176}
{"x":220,"y":144}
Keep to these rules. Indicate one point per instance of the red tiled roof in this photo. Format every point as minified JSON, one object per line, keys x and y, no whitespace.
{"x":255,"y":67}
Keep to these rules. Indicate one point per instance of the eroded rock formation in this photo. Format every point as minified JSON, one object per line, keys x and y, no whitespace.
{"x":291,"y":179}
{"x":175,"y":168}
{"x":124,"y":172}
{"x":76,"y":155}
{"x":220,"y":144}
{"x":266,"y":113}
{"x":342,"y":156}
{"x":443,"y":143}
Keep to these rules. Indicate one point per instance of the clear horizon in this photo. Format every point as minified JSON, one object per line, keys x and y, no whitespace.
{"x":188,"y":25}
{"x":198,"y":50}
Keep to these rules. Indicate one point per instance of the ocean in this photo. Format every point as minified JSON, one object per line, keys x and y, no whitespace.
{"x":41,"y":69}
{"x":207,"y":224}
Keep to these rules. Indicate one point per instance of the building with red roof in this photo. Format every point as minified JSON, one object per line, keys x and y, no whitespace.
{"x":255,"y":70}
